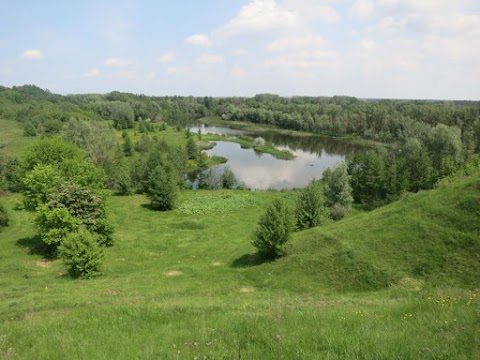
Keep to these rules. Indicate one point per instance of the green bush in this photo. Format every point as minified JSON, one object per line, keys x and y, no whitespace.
{"x":82,"y":254}
{"x":310,"y":206}
{"x":4,"y":219}
{"x":274,"y":229}
{"x":162,"y":189}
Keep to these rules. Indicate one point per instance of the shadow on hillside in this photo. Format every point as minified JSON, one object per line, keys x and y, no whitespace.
{"x":36,"y":246}
{"x":188,"y":225}
{"x":248,"y":260}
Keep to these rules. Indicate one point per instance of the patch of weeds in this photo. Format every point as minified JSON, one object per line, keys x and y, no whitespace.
{"x":210,"y":204}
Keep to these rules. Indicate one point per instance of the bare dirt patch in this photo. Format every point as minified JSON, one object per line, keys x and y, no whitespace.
{"x":44,"y":263}
{"x":173,"y":273}
{"x":247,"y":290}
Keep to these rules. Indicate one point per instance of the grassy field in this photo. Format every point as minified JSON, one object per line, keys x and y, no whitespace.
{"x":399,"y":282}
{"x":11,"y":134}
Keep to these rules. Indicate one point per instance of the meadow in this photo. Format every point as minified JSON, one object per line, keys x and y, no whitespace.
{"x":399,"y":282}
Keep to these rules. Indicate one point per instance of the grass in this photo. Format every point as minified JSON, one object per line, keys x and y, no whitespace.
{"x":399,"y":282}
{"x":11,"y":134}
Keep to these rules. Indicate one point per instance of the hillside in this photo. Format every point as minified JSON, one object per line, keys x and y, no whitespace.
{"x":187,"y":284}
{"x":430,"y":238}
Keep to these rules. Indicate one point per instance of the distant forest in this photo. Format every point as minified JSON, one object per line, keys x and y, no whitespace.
{"x":380,"y":120}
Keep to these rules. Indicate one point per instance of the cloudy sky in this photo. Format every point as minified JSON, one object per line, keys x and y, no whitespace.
{"x":364,"y":48}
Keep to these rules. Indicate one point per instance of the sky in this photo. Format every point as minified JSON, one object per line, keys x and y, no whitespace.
{"x":422,"y":49}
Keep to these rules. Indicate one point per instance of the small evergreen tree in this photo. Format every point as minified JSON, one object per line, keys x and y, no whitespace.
{"x":310,"y":206}
{"x":4,"y":219}
{"x":82,"y":254}
{"x":127,"y":145}
{"x":192,"y":148}
{"x":273,"y":230}
{"x":162,"y":188}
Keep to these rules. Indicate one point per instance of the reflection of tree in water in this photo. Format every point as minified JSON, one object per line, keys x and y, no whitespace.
{"x":314,"y":144}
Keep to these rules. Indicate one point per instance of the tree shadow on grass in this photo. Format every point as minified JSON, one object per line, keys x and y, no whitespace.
{"x":248,"y":260}
{"x":36,"y":246}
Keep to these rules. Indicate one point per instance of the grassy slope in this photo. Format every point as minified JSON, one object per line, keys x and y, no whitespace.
{"x":182,"y":284}
{"x":430,"y":237}
{"x":11,"y":134}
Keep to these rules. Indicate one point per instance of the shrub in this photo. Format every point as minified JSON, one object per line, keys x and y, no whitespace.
{"x":162,"y":188}
{"x":29,"y":130}
{"x":259,"y":141}
{"x":338,"y":212}
{"x":273,"y":231}
{"x":82,"y":254}
{"x":4,"y":219}
{"x":310,"y":206}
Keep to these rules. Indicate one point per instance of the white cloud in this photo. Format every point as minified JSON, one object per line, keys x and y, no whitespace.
{"x":305,"y":59}
{"x":166,"y":58}
{"x":311,"y":10}
{"x":240,"y":52}
{"x":296,"y":43}
{"x":199,"y":40}
{"x":116,"y":62}
{"x":361,"y":8}
{"x":238,"y":72}
{"x":179,"y":70}
{"x":261,"y":15}
{"x":210,"y":59}
{"x":33,"y":54}
{"x":92,"y":73}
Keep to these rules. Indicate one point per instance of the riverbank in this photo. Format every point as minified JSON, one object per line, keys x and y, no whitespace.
{"x":271,"y":129}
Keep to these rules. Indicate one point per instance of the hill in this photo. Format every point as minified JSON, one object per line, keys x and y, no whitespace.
{"x":396,"y":282}
{"x":430,"y":238}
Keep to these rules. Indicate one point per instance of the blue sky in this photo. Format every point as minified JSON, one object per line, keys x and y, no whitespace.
{"x":364,"y":48}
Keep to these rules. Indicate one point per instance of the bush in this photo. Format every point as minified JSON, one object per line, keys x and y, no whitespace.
{"x":29,"y":130}
{"x":82,"y":254}
{"x":310,"y":206}
{"x":338,"y":212}
{"x":4,"y":219}
{"x":54,"y":225}
{"x":273,"y":230}
{"x":162,"y":188}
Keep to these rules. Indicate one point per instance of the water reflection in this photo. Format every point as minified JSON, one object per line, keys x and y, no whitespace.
{"x":259,"y":171}
{"x":263,"y":171}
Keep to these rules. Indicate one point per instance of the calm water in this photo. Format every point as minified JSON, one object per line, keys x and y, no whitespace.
{"x":263,"y":171}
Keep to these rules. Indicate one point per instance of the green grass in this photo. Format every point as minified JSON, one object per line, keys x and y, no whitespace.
{"x":11,"y":134}
{"x":399,"y":282}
